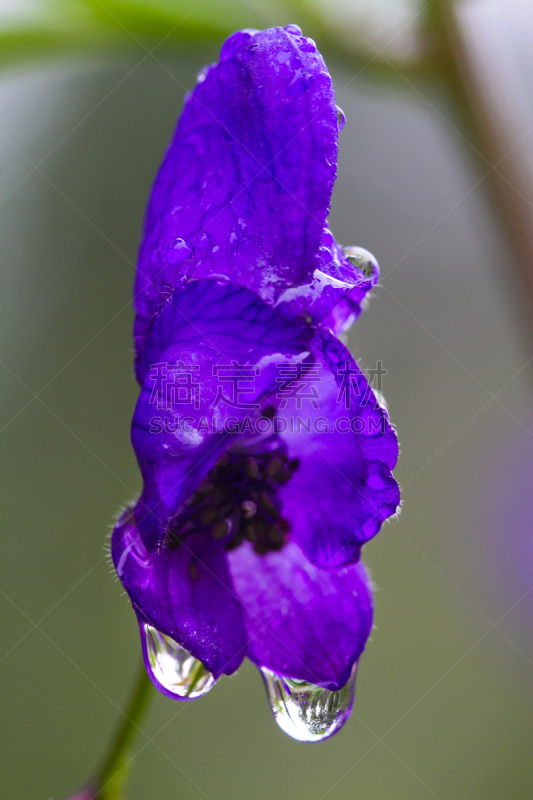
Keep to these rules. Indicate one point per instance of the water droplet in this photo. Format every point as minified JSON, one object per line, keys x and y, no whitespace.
{"x":363,"y":260}
{"x":201,"y":75}
{"x":301,"y":81}
{"x":177,"y":251}
{"x":203,"y":241}
{"x":341,"y":118}
{"x":307,"y":45}
{"x":307,"y":712}
{"x":174,"y":668}
{"x":247,"y":53}
{"x":294,"y":29}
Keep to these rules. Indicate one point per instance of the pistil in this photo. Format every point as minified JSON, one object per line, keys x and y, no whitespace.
{"x":239,"y":500}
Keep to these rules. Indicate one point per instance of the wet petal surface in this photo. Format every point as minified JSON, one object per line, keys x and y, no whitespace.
{"x":205,"y":333}
{"x":302,"y":621}
{"x":245,"y":186}
{"x":343,"y":489}
{"x":185,"y":593}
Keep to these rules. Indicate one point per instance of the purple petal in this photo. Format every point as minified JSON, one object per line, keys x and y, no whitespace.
{"x":225,"y":319}
{"x":206,"y":325}
{"x":335,"y":293}
{"x":343,"y":489}
{"x":246,"y":183}
{"x":185,"y":593}
{"x":302,"y":621}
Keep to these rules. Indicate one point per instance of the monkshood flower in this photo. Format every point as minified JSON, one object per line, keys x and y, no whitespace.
{"x":265,"y":456}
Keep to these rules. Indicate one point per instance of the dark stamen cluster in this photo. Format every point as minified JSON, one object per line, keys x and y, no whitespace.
{"x":238,"y":499}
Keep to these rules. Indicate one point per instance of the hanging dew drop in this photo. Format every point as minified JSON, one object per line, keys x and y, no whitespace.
{"x":363,"y":260}
{"x":173,"y":668}
{"x":341,"y":118}
{"x":307,"y":712}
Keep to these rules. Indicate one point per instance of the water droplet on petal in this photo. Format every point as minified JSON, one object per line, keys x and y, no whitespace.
{"x":247,"y":52}
{"x":177,"y":251}
{"x":363,"y":260}
{"x":174,"y":668}
{"x":307,"y":45}
{"x":201,"y":75}
{"x":294,"y":29}
{"x":341,"y":118}
{"x":203,"y":241}
{"x":301,"y":81}
{"x":307,"y":712}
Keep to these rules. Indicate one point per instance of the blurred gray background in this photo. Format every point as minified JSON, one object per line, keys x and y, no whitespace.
{"x":444,"y":702}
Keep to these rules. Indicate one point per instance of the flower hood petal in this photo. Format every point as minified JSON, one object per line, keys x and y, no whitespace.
{"x":245,"y":186}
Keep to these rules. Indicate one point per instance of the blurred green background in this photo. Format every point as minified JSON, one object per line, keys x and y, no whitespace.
{"x":89,"y":95}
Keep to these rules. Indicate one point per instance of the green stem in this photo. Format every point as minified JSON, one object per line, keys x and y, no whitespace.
{"x":111,"y":777}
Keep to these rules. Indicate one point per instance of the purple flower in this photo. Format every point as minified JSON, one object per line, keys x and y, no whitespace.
{"x":265,"y":455}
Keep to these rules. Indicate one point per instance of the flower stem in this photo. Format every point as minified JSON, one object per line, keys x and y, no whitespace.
{"x":114,"y":771}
